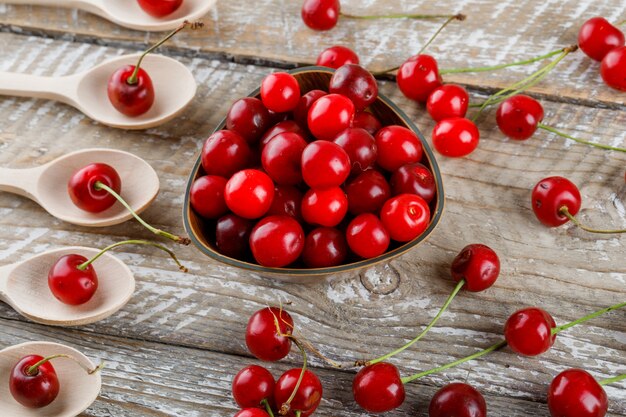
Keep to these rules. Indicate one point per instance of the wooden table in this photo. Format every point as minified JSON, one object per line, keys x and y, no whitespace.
{"x":174,"y":349}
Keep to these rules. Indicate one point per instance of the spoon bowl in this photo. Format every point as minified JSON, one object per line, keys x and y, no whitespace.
{"x":78,"y":390}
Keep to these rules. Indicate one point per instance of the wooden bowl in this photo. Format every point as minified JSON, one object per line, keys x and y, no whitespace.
{"x":311,"y":78}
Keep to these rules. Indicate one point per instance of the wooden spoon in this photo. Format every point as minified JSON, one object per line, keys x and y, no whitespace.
{"x":77,"y":389}
{"x":47,"y":185}
{"x":174,"y":88}
{"x":127,"y":13}
{"x":24,"y":286}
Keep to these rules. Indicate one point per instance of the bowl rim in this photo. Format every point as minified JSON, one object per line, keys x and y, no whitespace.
{"x":308,"y":272}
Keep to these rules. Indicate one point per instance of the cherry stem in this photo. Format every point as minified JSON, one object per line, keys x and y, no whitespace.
{"x":598,"y":313}
{"x":501,"y":66}
{"x":623,"y":22}
{"x":612,"y":380}
{"x":84,"y":265}
{"x":284,"y":408}
{"x":565,"y":135}
{"x":267,"y":406}
{"x":34,"y":369}
{"x":458,"y":288}
{"x":565,"y":211}
{"x":398,"y":16}
{"x":178,"y":239}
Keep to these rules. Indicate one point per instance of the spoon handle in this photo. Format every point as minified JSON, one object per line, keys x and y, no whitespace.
{"x":25,"y":85}
{"x":4,"y":279}
{"x":20,"y":181}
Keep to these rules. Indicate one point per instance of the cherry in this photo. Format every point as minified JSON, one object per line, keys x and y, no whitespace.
{"x":248,"y":117}
{"x":405,"y":217}
{"x":249,"y":193}
{"x":597,"y":37}
{"x":458,"y":400}
{"x":478,"y":265}
{"x":280,"y":92}
{"x":575,"y":393}
{"x":130,"y":91}
{"x":550,"y":195}
{"x":519,"y":116}
{"x":262,"y":337}
{"x":447,"y":101}
{"x":159,"y":8}
{"x":281,"y":158}
{"x":366,"y":120}
{"x":324,"y":164}
{"x":397,"y":146}
{"x":84,"y":193}
{"x":366,"y":236}
{"x":207,"y":196}
{"x":418,"y":77}
{"x":529,"y":331}
{"x":378,"y":388}
{"x":360,"y":146}
{"x":70,"y":284}
{"x":277,"y":241}
{"x":252,"y":412}
{"x":324,"y":247}
{"x":252,"y":385}
{"x":224,"y":153}
{"x":324,"y":206}
{"x":34,"y":389}
{"x":356,"y":83}
{"x":613,"y":68}
{"x":287,"y":201}
{"x":320,"y":14}
{"x":232,"y":234}
{"x":281,"y":127}
{"x":307,"y":397}
{"x":367,"y":193}
{"x":301,"y":112}
{"x":330,"y":115}
{"x":414,"y":179}
{"x":455,"y":137}
{"x":337,"y":56}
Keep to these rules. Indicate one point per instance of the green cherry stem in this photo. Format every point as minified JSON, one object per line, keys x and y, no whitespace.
{"x":623,"y":22}
{"x":565,"y":135}
{"x":558,"y":329}
{"x":34,"y":369}
{"x":268,"y":408}
{"x":178,"y":239}
{"x":284,"y":408}
{"x":397,"y":16}
{"x":501,"y":66}
{"x":565,"y":211}
{"x":613,"y":380}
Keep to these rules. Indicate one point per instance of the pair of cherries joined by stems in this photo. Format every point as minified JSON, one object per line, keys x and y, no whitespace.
{"x":159,"y":8}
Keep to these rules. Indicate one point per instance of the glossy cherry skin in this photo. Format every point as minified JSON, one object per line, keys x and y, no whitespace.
{"x":330,"y":115}
{"x":252,"y":412}
{"x":281,"y":158}
{"x":224,"y":153}
{"x":613,"y":68}
{"x":277,"y":241}
{"x":130,"y":99}
{"x":367,"y":193}
{"x":262,"y":337}
{"x":366,"y":236}
{"x":324,"y":164}
{"x":597,"y":37}
{"x":69,"y":284}
{"x":550,"y":195}
{"x":575,"y":393}
{"x":447,"y":101}
{"x":232,"y":234}
{"x":337,"y":56}
{"x":378,"y":388}
{"x":360,"y":146}
{"x":478,"y":265}
{"x":301,"y":112}
{"x":356,"y":83}
{"x":159,"y":8}
{"x":405,"y":217}
{"x":414,"y":179}
{"x":281,"y":127}
{"x":280,"y":92}
{"x":324,"y":206}
{"x":307,"y":397}
{"x":287,"y":201}
{"x":397,"y":146}
{"x":324,"y":247}
{"x":249,"y":193}
{"x":320,"y":14}
{"x":418,"y":77}
{"x":252,"y":385}
{"x":249,"y":118}
{"x":529,"y":331}
{"x":207,"y":196}
{"x":519,"y":116}
{"x":33,"y":391}
{"x":456,"y":137}
{"x":82,"y":187}
{"x":458,"y":400}
{"x":366,"y":120}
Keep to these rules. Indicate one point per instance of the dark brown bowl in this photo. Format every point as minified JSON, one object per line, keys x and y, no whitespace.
{"x":311,"y":78}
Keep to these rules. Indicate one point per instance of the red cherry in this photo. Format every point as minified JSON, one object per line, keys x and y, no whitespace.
{"x":225,"y":153}
{"x":478,"y":265}
{"x":418,"y":77}
{"x":330,"y":115}
{"x":324,"y":206}
{"x":367,"y":193}
{"x":356,"y":83}
{"x":320,"y":14}
{"x":337,"y":56}
{"x":529,"y":331}
{"x":281,"y":158}
{"x":249,"y":193}
{"x":280,"y":92}
{"x":277,"y":241}
{"x":360,"y":147}
{"x":82,"y":187}
{"x":414,"y":179}
{"x":159,"y":8}
{"x":207,"y":196}
{"x":397,"y":146}
{"x":301,"y":112}
{"x":324,"y":164}
{"x":307,"y":397}
{"x":262,"y":337}
{"x":252,"y":412}
{"x":232,"y":234}
{"x":69,"y":284}
{"x":281,"y":127}
{"x":458,"y":400}
{"x":366,"y":120}
{"x":324,"y":247}
{"x":248,"y":117}
{"x":378,"y":388}
{"x":447,"y":101}
{"x":252,"y":385}
{"x":597,"y":37}
{"x":613,"y":68}
{"x":519,"y":116}
{"x":405,"y":217}
{"x":33,"y":391}
{"x":287,"y":201}
{"x":366,"y":236}
{"x":130,"y":99}
{"x":550,"y":195}
{"x":455,"y":137}
{"x":575,"y":393}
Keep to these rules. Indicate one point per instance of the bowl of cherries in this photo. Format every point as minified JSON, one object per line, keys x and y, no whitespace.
{"x":313,"y":174}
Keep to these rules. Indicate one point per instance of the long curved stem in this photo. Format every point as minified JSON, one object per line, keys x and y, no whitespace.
{"x":565,"y":211}
{"x":565,"y":135}
{"x":32,"y":370}
{"x":612,"y":380}
{"x":396,"y":16}
{"x":268,"y":407}
{"x":284,"y":408}
{"x":501,"y":66}
{"x":593,"y":315}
